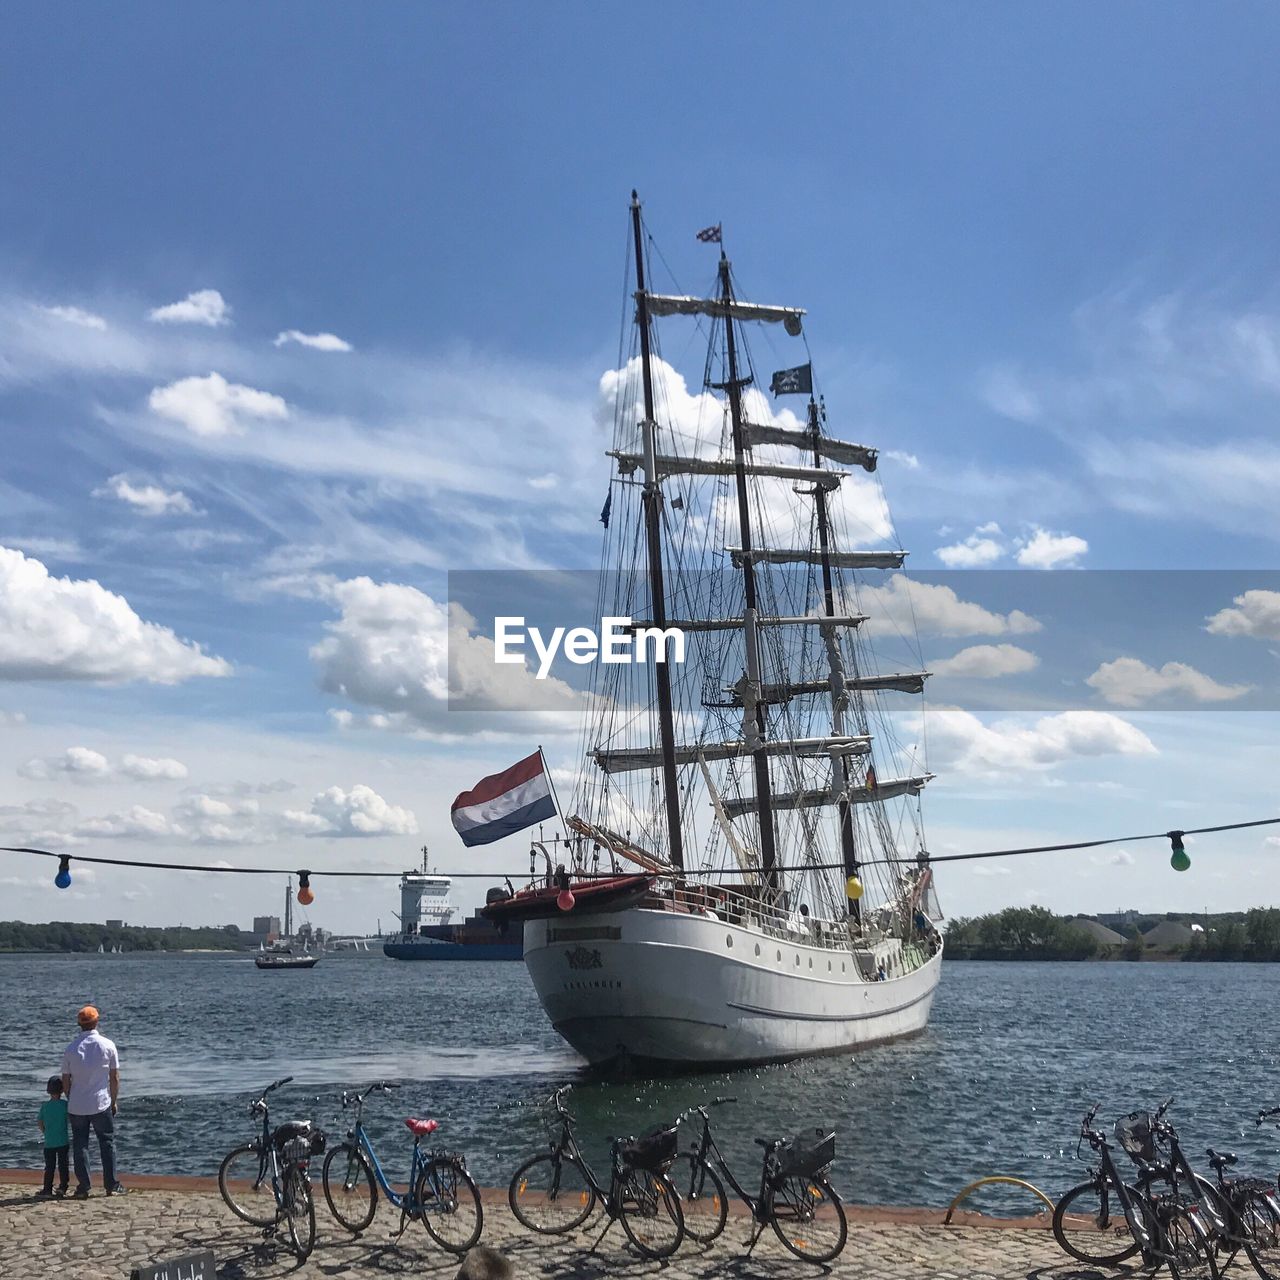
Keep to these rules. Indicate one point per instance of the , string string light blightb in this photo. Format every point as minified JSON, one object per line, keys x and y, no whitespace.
{"x":1179,"y":861}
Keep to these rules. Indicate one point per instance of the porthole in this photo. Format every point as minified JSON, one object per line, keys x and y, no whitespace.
{"x":828,"y":966}
{"x":779,"y":957}
{"x":757,"y":948}
{"x":797,"y":961}
{"x":842,"y":968}
{"x":810,"y":962}
{"x":728,"y":941}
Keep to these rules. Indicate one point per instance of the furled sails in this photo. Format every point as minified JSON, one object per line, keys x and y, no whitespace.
{"x":668,"y":465}
{"x":836,"y":559}
{"x":899,"y":682}
{"x":885,"y":790}
{"x":675,"y":305}
{"x":856,"y":455}
{"x":623,"y":760}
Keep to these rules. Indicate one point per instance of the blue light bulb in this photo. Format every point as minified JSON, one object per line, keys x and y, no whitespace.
{"x":63,"y":878}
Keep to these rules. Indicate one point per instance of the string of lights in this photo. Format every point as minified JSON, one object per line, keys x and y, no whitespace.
{"x":1179,"y":860}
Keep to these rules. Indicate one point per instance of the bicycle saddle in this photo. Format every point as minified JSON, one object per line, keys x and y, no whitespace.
{"x":420,"y":1128}
{"x":1220,"y":1159}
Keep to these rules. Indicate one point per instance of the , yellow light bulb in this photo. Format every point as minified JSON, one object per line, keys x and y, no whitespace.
{"x":853,"y":888}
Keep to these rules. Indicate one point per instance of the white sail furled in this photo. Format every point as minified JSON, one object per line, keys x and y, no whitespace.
{"x":736,"y":624}
{"x":666,"y":465}
{"x":625,"y":759}
{"x":856,"y":455}
{"x":810,"y":555}
{"x":661,"y":304}
{"x":889,"y":789}
{"x":906,"y":682}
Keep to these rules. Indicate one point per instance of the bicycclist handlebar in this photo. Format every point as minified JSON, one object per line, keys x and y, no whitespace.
{"x":259,"y":1105}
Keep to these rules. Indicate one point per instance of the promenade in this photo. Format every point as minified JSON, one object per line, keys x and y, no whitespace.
{"x":101,"y":1238}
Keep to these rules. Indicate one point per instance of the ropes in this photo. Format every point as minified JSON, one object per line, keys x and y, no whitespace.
{"x":498,"y":875}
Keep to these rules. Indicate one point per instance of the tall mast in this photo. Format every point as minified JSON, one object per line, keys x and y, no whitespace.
{"x":764,"y":794}
{"x":848,"y":849}
{"x":652,"y":499}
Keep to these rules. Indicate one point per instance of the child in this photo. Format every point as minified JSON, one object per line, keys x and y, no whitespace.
{"x":57,"y":1141}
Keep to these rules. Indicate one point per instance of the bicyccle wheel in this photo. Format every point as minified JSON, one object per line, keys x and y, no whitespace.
{"x":448,"y":1205}
{"x":1261,"y":1223}
{"x":349,"y":1187}
{"x":244,"y":1178}
{"x":808,"y":1218}
{"x":1188,"y":1244}
{"x":1089,"y":1224}
{"x":298,"y":1210}
{"x":703,"y":1199}
{"x":551,"y":1194}
{"x":649,"y":1209}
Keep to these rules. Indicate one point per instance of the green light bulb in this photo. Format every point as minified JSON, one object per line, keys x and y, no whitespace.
{"x":1180,"y":861}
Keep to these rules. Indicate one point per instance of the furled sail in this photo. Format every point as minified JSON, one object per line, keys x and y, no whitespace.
{"x":885,"y":790}
{"x":904,"y":682}
{"x":736,"y":624}
{"x":625,"y":759}
{"x":667,"y":465}
{"x":856,"y":455}
{"x":808,"y":555}
{"x":675,"y":305}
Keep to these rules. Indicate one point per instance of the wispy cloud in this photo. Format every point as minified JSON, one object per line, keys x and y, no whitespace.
{"x":212,"y":406}
{"x":316,"y":341}
{"x":149,"y":499}
{"x":74,"y":315}
{"x":204,"y":306}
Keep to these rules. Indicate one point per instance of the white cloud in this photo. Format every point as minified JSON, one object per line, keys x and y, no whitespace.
{"x":549,"y":481}
{"x":85,"y":764}
{"x":75,"y":629}
{"x":1129,"y":682}
{"x":212,"y":406}
{"x":149,"y":499}
{"x":902,"y":606}
{"x":204,"y":306}
{"x":1045,"y":550}
{"x":13,"y":718}
{"x":1256,"y":614}
{"x":1008,"y":393}
{"x":74,"y":762}
{"x":358,"y":812}
{"x":317,"y":341}
{"x":987,"y":662}
{"x":75,"y":315}
{"x":152,"y":769}
{"x":966,"y":745}
{"x":983,"y":546}
{"x":392,"y":648}
{"x":134,"y":823}
{"x":908,"y":460}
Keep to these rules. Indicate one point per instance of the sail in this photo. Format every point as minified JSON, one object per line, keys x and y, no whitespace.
{"x":809,"y":555}
{"x":856,"y":455}
{"x":666,"y":465}
{"x":644,"y":758}
{"x":903,"y":682}
{"x":717,"y":308}
{"x":811,"y":799}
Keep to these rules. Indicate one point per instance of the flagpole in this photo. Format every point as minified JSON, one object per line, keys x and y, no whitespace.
{"x":555,"y":799}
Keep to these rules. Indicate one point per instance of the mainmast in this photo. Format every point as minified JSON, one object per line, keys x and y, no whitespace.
{"x":754,"y":724}
{"x":652,"y":499}
{"x":848,"y":849}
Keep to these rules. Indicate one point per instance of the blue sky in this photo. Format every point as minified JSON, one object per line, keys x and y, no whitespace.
{"x":1037,"y":247}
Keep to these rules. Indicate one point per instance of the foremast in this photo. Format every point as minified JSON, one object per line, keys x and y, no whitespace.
{"x":652,"y":500}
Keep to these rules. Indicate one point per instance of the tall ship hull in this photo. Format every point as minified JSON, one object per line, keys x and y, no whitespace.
{"x":645,"y":987}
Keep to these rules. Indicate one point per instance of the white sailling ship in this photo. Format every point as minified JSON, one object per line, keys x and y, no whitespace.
{"x":783,"y":905}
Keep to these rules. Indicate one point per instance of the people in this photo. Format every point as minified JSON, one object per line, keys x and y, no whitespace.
{"x":881,"y":974}
{"x":57,"y":1141}
{"x":91,"y":1082}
